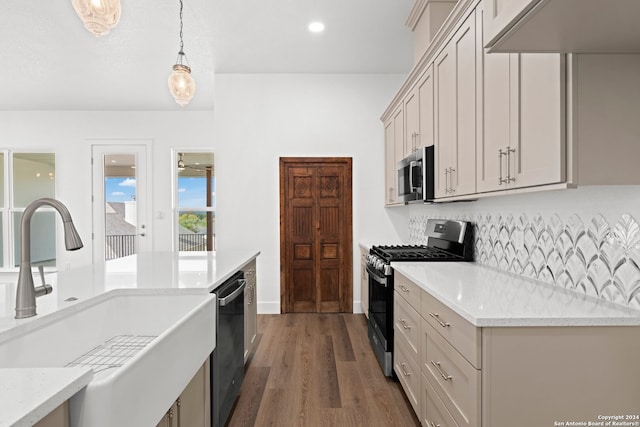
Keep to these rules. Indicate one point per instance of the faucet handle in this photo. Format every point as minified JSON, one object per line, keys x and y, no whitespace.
{"x":44,"y":289}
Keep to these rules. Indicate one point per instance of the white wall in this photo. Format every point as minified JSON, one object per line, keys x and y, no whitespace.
{"x":69,"y":135}
{"x":260,"y":118}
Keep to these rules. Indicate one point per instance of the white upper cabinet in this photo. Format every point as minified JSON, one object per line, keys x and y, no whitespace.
{"x":394,"y":152}
{"x":563,"y":26}
{"x":455,"y":113}
{"x":412,"y":121}
{"x":504,"y":123}
{"x":521,"y":141}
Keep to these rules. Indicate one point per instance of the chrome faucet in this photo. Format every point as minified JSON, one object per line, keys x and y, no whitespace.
{"x":26,"y":292}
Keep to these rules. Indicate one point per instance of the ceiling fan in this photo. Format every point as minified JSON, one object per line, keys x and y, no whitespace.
{"x":182,"y":165}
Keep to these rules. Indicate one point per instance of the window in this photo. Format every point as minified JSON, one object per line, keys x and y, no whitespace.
{"x":25,"y":177}
{"x":195,"y":195}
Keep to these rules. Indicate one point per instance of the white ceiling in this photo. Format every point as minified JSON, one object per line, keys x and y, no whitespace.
{"x":50,"y":62}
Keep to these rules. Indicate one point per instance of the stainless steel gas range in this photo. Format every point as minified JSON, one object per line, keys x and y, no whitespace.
{"x":447,"y":241}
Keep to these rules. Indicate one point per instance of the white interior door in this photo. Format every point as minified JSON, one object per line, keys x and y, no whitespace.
{"x":121,"y":200}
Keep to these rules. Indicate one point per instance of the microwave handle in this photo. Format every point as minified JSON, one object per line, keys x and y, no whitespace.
{"x":411,"y":166}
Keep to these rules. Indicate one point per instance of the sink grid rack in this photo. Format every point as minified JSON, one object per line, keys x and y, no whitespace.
{"x":113,"y":353}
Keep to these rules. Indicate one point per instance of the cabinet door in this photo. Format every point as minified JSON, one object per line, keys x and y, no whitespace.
{"x":390,"y":192}
{"x":399,"y":141}
{"x":540,"y":151}
{"x":170,"y":419}
{"x":426,"y":114}
{"x":194,"y":402}
{"x":455,"y":88}
{"x":412,"y":121}
{"x":463,"y":174}
{"x":394,"y":152}
{"x":498,"y":108}
{"x":445,"y":117}
{"x":59,"y":417}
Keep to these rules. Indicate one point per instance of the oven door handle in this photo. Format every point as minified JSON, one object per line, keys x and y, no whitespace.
{"x":233,"y":295}
{"x":375,"y":277}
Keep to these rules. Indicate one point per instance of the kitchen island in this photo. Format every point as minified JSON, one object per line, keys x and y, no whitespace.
{"x":149,"y":274}
{"x":475,"y":346}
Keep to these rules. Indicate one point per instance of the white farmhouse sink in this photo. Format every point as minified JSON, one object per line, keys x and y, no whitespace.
{"x":180,"y":328}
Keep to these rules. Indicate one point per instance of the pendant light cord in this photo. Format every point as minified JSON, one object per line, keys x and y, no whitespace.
{"x":181,"y":42}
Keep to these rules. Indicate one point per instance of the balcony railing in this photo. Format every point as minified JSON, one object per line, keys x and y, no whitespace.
{"x":118,"y":246}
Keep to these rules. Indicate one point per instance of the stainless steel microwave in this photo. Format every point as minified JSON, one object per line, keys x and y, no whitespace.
{"x":416,"y":176}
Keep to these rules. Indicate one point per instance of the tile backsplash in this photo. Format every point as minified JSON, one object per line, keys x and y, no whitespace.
{"x":590,"y":254}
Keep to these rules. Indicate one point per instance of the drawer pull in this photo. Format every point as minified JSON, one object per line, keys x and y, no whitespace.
{"x":404,"y":372}
{"x":437,"y":317}
{"x":440,"y":371}
{"x":404,"y":288}
{"x":430,"y":424}
{"x":405,"y":325}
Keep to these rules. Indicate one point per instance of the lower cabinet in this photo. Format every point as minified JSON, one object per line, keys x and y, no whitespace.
{"x":193,"y":407}
{"x":499,"y":376}
{"x":59,"y":417}
{"x":250,"y":310}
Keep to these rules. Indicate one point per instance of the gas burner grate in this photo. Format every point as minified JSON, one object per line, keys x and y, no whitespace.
{"x":113,"y":353}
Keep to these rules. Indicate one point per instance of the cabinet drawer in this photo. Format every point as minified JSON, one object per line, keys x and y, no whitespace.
{"x":456,"y":381}
{"x":411,"y":292}
{"x":407,"y":369}
{"x":407,"y":325}
{"x":465,"y":337}
{"x":434,"y":413}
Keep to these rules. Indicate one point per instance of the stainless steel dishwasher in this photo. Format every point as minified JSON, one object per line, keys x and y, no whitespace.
{"x":227,"y":359}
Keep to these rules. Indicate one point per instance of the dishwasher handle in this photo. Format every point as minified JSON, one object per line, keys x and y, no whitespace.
{"x":233,"y":295}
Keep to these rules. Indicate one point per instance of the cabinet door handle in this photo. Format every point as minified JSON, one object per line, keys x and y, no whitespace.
{"x":404,"y":371}
{"x":451,"y":171}
{"x":437,"y":317}
{"x":509,"y":151}
{"x":405,"y":325}
{"x":446,"y":181}
{"x":430,"y":424}
{"x":500,"y":154}
{"x":440,"y":371}
{"x":404,"y":288}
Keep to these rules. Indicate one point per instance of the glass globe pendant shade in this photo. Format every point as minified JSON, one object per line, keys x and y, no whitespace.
{"x":98,"y":16}
{"x":181,"y":84}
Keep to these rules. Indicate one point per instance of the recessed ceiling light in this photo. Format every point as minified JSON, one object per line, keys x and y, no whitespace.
{"x":316,"y":27}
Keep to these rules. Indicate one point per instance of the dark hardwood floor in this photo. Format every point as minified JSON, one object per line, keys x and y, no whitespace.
{"x":317,"y":370}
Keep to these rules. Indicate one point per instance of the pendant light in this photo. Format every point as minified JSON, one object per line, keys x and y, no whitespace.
{"x":98,"y":16}
{"x":181,"y":84}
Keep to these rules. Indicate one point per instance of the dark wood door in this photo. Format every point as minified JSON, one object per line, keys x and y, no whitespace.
{"x":316,"y":235}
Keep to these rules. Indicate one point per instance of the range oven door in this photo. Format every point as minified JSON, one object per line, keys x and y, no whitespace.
{"x":381,"y":318}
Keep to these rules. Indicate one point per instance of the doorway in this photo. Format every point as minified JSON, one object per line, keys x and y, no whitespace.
{"x":316,"y":260}
{"x":120,"y":200}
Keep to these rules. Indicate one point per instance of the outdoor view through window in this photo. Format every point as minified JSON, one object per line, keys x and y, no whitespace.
{"x":195,"y":210}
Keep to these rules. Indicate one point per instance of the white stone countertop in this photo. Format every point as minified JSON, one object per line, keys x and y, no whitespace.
{"x":146,"y":273}
{"x":149,"y":271}
{"x":490,"y":298}
{"x":28,"y":395}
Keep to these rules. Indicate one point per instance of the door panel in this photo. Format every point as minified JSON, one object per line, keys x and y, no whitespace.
{"x":121,"y":217}
{"x":316,"y":235}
